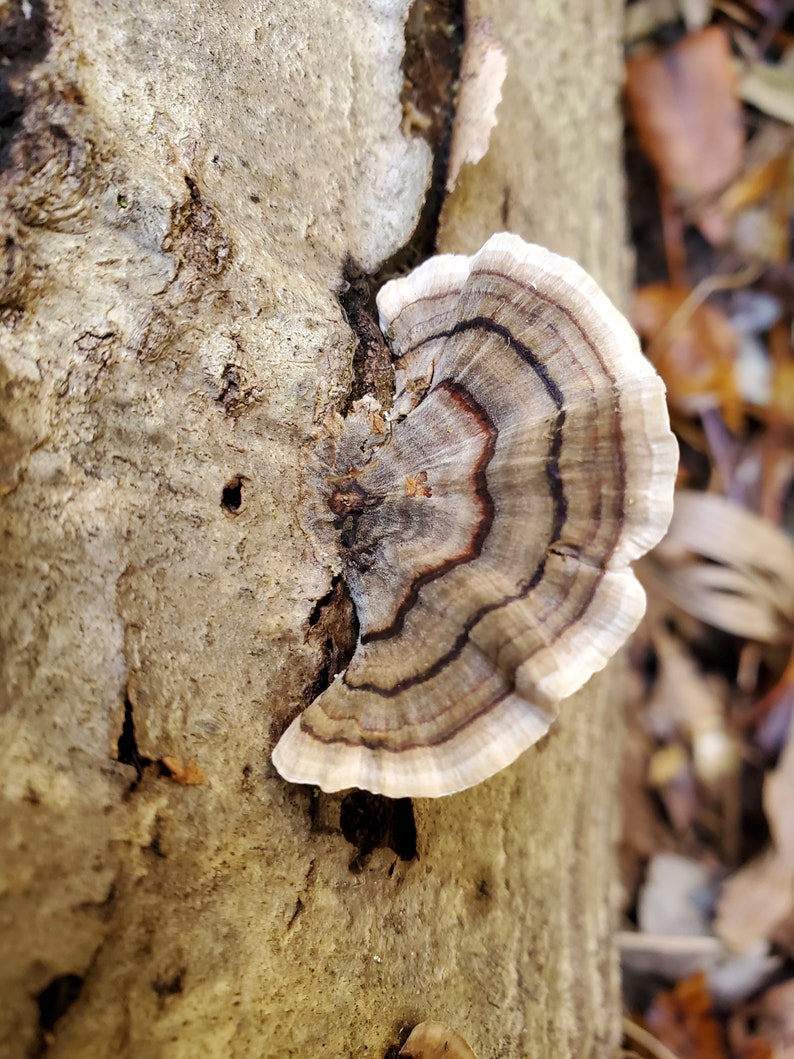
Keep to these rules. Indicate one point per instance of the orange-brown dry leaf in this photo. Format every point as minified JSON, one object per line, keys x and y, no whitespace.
{"x":758,"y":204}
{"x":755,"y":1048}
{"x":782,"y":392}
{"x":682,"y":1020}
{"x":189,"y":775}
{"x":769,"y":178}
{"x":694,"y":353}
{"x":777,"y":445}
{"x":688,"y":117}
{"x":759,"y":180}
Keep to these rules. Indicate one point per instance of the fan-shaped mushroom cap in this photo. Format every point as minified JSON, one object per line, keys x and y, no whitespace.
{"x":487,"y":541}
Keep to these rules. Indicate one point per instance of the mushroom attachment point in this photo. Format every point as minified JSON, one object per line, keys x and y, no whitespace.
{"x":435,"y":1040}
{"x":539,"y":435}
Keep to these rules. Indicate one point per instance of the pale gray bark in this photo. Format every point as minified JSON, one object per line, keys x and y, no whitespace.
{"x":188,"y":182}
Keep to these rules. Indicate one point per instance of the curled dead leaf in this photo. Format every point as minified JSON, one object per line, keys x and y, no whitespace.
{"x":686,"y":110}
{"x":754,"y":900}
{"x":726,"y":566}
{"x":769,"y":88}
{"x":693,"y":347}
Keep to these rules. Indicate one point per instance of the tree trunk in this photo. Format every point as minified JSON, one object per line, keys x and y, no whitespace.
{"x":184,"y":185}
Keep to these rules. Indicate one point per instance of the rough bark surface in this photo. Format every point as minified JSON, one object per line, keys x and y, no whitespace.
{"x":183,"y":187}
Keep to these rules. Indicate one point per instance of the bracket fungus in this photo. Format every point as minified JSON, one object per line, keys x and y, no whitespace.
{"x":435,"y":1040}
{"x":486,"y":534}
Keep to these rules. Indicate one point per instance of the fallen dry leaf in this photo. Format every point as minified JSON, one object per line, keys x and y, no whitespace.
{"x":769,"y":88}
{"x":666,"y":764}
{"x":757,"y":204}
{"x":771,"y":715}
{"x":682,"y":1020}
{"x":726,"y":566}
{"x":779,"y":800}
{"x":782,"y":391}
{"x":765,"y":1028}
{"x":693,"y":347}
{"x":754,"y":901}
{"x":756,"y":182}
{"x":688,"y":118}
{"x":685,"y":703}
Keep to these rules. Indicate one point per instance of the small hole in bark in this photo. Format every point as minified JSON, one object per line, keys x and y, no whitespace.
{"x":127,"y":747}
{"x":232,"y":496}
{"x":393,"y":1051}
{"x":56,"y":999}
{"x":321,"y":604}
{"x":372,"y":367}
{"x":333,"y":627}
{"x":156,"y":844}
{"x":24,"y":41}
{"x":195,"y":194}
{"x":230,"y":384}
{"x":370,"y":821}
{"x":299,"y":906}
{"x":165,"y":987}
{"x":403,"y":836}
{"x":12,"y":106}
